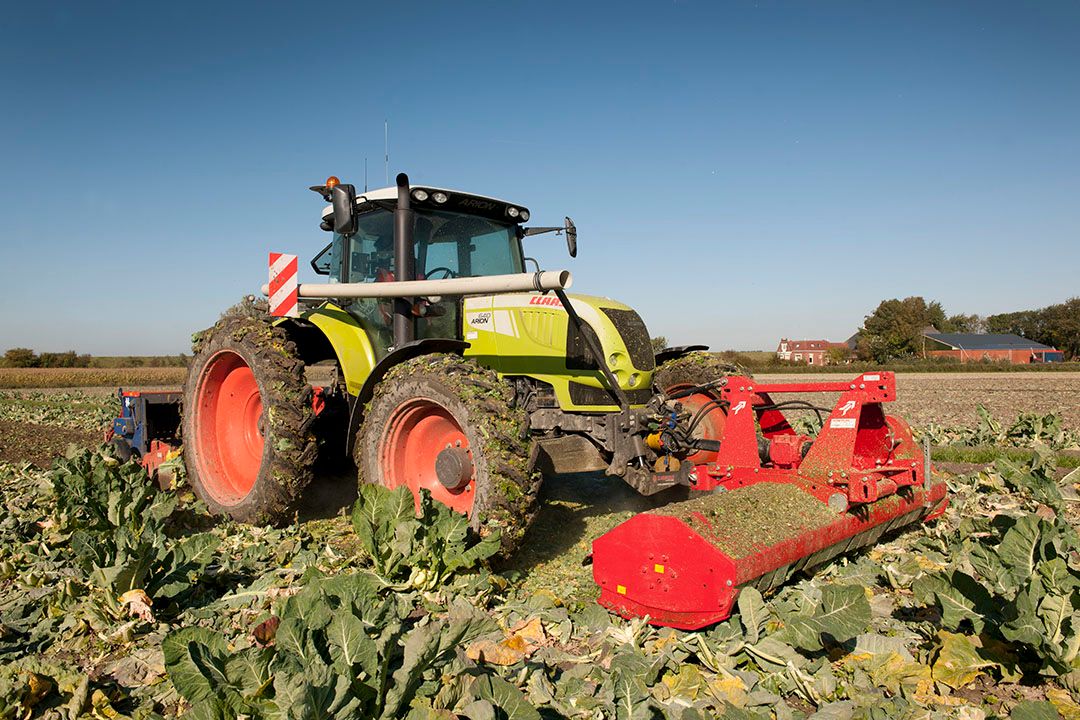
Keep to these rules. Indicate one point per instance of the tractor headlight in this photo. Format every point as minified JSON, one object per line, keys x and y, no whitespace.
{"x":635,"y":378}
{"x":512,"y":211}
{"x":439,"y":197}
{"x":420,"y":195}
{"x":524,"y":216}
{"x":613,"y":359}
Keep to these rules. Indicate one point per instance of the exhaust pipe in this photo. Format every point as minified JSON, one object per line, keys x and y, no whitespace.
{"x":404,"y":323}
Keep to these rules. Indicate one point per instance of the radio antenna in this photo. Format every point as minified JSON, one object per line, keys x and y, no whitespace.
{"x":365,"y":174}
{"x":386,"y":149}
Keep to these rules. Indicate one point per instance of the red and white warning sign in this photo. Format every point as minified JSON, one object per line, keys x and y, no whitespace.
{"x":283,"y":285}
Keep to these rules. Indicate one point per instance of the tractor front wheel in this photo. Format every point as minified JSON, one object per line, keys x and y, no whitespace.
{"x":445,"y":425}
{"x":248,"y":446}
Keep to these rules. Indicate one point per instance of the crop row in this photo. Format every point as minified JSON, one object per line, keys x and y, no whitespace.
{"x":91,"y":377}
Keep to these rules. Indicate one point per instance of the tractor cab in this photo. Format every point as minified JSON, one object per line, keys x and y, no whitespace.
{"x":454,"y":235}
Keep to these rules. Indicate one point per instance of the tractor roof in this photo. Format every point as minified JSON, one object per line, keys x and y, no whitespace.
{"x":456,"y":200}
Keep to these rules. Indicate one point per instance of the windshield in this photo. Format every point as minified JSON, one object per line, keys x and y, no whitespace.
{"x":447,"y":244}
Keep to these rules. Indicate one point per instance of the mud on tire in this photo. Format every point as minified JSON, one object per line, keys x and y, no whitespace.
{"x":691,"y":370}
{"x":268,"y":494}
{"x":504,"y":486}
{"x":694,"y":368}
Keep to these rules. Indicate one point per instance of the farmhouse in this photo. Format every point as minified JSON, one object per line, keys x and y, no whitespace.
{"x":811,"y":352}
{"x":974,"y":347}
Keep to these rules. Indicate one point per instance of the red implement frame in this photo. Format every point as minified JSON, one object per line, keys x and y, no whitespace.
{"x":865,"y":466}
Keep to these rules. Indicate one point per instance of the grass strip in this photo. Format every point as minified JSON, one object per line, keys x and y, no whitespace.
{"x":986,"y":454}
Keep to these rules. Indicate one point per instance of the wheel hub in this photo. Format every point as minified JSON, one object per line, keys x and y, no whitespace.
{"x":424,"y":447}
{"x":454,"y":467}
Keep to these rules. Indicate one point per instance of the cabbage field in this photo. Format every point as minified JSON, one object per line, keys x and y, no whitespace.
{"x":118,"y":600}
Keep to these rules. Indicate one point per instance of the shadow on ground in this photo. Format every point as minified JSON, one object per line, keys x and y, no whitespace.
{"x":332,"y":492}
{"x":554,"y":557}
{"x":574,"y":511}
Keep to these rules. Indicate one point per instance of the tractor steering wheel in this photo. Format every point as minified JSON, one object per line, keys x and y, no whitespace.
{"x":447,"y":273}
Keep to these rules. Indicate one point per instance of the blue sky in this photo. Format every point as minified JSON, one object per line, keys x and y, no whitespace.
{"x":738,"y":171}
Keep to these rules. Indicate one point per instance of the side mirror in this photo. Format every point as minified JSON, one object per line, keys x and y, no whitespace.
{"x":343,"y":198}
{"x":571,"y":237}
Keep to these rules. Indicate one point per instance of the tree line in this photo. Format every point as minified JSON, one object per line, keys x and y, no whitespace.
{"x":894,"y":331}
{"x":1055,"y":325}
{"x":27,"y":358}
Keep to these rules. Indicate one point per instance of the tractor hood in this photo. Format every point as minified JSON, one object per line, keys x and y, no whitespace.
{"x":530,"y":334}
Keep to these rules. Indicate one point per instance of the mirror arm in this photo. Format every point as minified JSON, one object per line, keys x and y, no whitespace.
{"x":569,"y":229}
{"x":541,"y":230}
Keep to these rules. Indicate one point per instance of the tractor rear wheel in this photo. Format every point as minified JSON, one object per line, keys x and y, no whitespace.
{"x":446,"y":425}
{"x":247,"y":415}
{"x":690,"y":371}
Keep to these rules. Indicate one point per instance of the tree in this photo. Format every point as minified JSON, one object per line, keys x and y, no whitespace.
{"x":659,"y":343}
{"x":961,"y":323}
{"x":1062,"y":326}
{"x":1054,"y":325}
{"x":838,"y":355}
{"x":60,"y":360}
{"x":895,"y":328}
{"x":20,"y":358}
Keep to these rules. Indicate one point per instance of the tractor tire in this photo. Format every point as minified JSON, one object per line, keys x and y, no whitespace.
{"x":247,"y":416}
{"x":692,"y":370}
{"x":446,"y":425}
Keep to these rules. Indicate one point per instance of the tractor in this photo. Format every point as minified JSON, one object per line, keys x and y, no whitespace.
{"x":451,"y":367}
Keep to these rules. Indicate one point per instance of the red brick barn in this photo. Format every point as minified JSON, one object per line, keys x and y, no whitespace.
{"x":976,"y":347}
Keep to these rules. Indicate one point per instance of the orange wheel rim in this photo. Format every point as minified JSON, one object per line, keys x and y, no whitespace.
{"x":228,"y":432}
{"x":418,"y":431}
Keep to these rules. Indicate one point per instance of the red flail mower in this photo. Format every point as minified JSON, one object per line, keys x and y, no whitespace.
{"x":775,"y":502}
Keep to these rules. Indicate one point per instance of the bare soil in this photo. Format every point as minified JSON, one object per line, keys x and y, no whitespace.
{"x":39,"y":444}
{"x":952,"y":398}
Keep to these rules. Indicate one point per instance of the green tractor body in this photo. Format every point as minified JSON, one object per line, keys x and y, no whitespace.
{"x":530,"y":335}
{"x":520,"y":335}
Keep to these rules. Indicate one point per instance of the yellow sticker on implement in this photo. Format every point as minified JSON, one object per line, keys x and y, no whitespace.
{"x":621,"y":589}
{"x":658,"y":568}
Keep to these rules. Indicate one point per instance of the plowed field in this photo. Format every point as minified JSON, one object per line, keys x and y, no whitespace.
{"x":951,"y":398}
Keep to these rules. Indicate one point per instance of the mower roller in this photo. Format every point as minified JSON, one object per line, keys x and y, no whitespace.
{"x":446,"y":367}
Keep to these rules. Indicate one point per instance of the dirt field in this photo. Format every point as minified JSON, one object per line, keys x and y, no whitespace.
{"x":951,"y":398}
{"x":39,"y":444}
